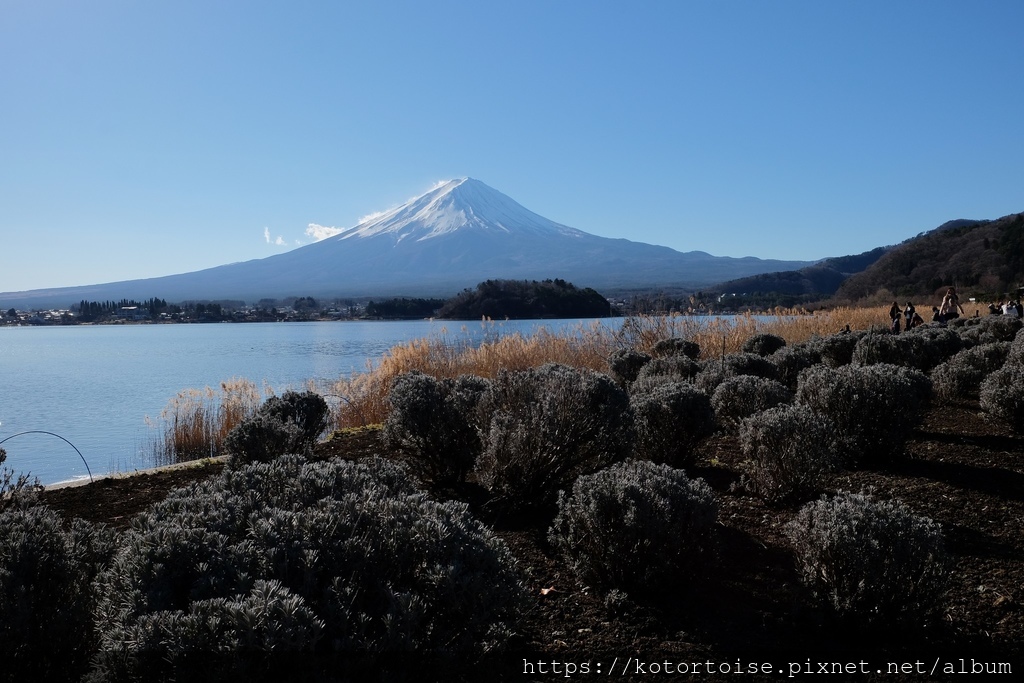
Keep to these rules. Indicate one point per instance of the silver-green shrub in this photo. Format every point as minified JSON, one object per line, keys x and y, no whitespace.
{"x":871,"y":561}
{"x":990,"y":329}
{"x":290,"y":423}
{"x":1017,"y":347}
{"x":310,"y":557}
{"x":433,"y":422}
{"x":307,"y":410}
{"x":670,"y":420}
{"x":625,"y":364}
{"x":931,"y":346}
{"x":1001,"y":327}
{"x":874,"y":406}
{"x":676,"y":346}
{"x":219,"y":639}
{"x":740,"y":397}
{"x":920,"y":385}
{"x":1002,"y":395}
{"x":961,"y":375}
{"x":764,"y":344}
{"x":788,"y":451}
{"x":545,"y":427}
{"x":261,"y":438}
{"x":710,"y":376}
{"x":635,"y":526}
{"x":648,"y":383}
{"x":893,"y":349}
{"x":46,"y":595}
{"x":837,"y":350}
{"x":746,"y":364}
{"x":717,"y":370}
{"x":791,"y":360}
{"x":975,"y":336}
{"x":677,"y":368}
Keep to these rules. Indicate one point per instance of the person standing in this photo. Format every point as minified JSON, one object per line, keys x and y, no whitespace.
{"x":950,"y":307}
{"x":894,"y":311}
{"x":908,"y":314}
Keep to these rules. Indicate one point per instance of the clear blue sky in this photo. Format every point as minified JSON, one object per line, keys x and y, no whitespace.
{"x":148,"y":138}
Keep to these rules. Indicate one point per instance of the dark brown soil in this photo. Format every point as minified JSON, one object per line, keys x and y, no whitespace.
{"x":960,"y":470}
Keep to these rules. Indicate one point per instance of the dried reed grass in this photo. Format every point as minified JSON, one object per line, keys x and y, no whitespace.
{"x":194,"y":423}
{"x":365,"y":394}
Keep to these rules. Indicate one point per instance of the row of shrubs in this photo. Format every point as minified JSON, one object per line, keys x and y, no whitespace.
{"x":799,"y":412}
{"x":225,"y":579}
{"x":526,"y":435}
{"x":638,"y":525}
{"x":637,"y":529}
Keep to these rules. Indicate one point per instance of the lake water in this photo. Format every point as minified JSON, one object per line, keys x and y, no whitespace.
{"x":95,"y":385}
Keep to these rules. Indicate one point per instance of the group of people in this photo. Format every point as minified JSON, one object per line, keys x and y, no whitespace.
{"x":949,"y":309}
{"x":1010,"y":308}
{"x":909,"y":313}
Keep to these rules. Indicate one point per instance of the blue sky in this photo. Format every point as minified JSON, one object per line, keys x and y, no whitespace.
{"x":148,"y":138}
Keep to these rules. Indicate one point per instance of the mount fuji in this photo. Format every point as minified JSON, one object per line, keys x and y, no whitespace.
{"x":452,"y":237}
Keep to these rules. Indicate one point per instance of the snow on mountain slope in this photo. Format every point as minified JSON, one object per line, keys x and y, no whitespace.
{"x":457,"y":205}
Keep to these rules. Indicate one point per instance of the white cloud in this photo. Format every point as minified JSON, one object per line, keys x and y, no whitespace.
{"x":321,"y":232}
{"x":278,"y":241}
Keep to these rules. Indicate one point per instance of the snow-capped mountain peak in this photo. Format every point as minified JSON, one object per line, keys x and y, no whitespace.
{"x":457,"y":205}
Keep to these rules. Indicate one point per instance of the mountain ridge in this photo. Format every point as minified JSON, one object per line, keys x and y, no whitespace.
{"x":979,"y":257}
{"x":982,"y":258}
{"x":823,"y":278}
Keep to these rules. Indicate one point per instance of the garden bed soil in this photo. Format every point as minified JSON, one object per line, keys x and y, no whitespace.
{"x":960,"y":470}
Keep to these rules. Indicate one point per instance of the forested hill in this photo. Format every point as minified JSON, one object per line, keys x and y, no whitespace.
{"x":792,"y":287}
{"x":984,"y":259}
{"x":525,"y":299}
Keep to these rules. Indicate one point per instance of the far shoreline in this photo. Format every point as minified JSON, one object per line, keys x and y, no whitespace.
{"x":328,"y":319}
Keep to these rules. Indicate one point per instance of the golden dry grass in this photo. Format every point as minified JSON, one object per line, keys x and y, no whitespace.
{"x":365,"y":394}
{"x":194,"y":423}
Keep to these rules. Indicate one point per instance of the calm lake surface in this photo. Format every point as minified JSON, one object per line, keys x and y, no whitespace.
{"x":96,"y":385}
